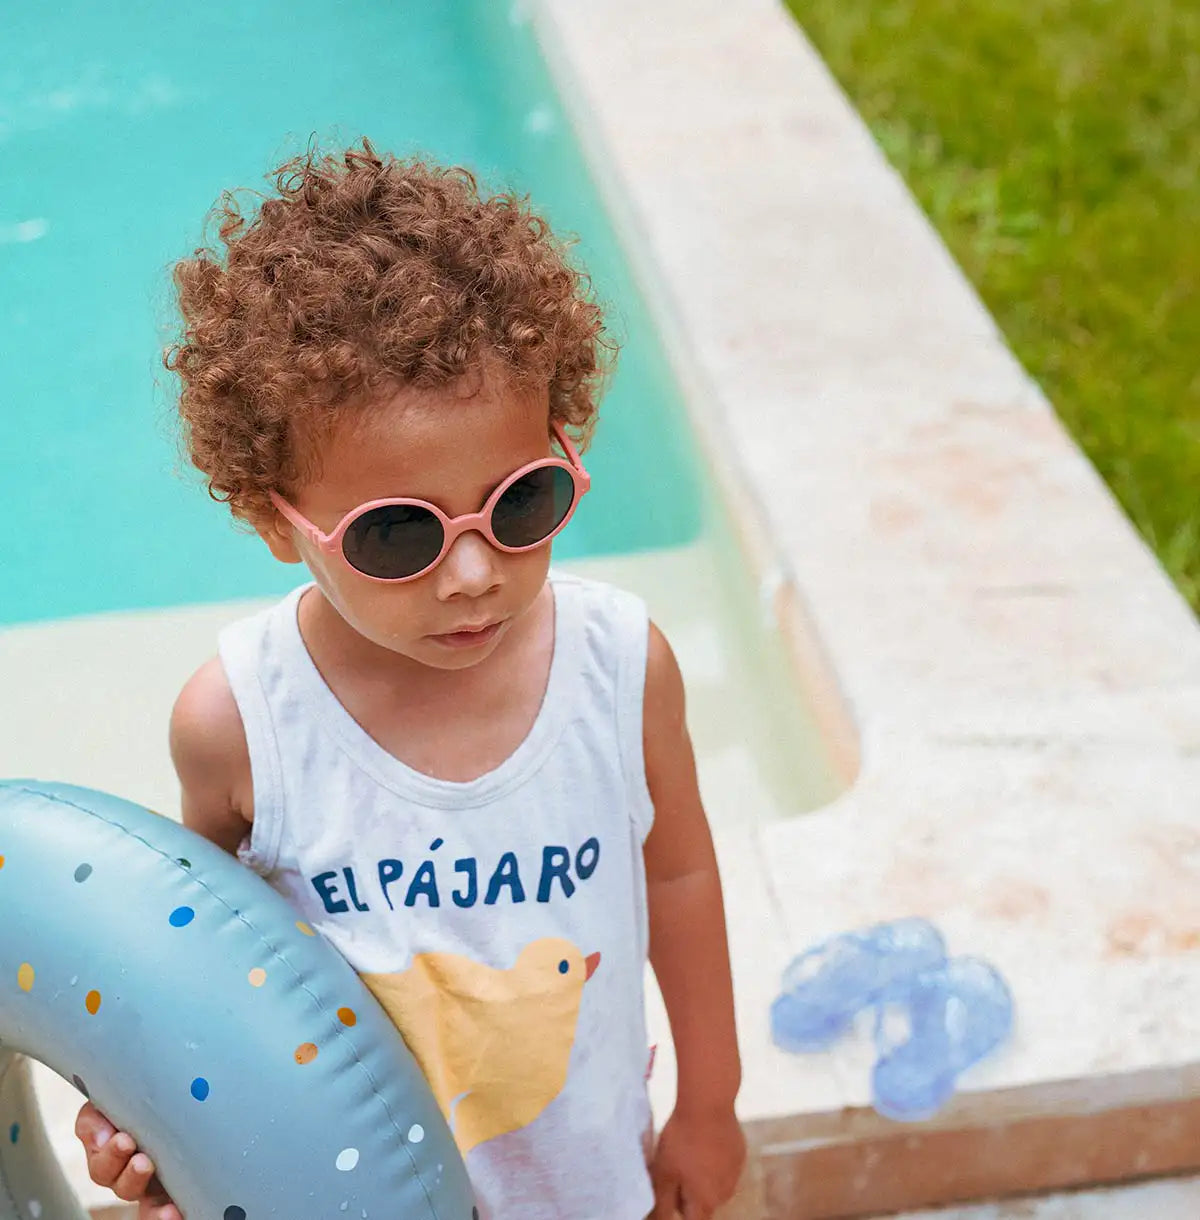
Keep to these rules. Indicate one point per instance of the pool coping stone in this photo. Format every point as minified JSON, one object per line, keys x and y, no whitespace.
{"x":1004,"y":673}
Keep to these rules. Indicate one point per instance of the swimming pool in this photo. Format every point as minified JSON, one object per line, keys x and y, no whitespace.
{"x":116,"y":571}
{"x":124,"y":133}
{"x":125,"y":136}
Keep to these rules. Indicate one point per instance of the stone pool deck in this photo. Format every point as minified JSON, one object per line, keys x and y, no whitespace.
{"x":981,"y":630}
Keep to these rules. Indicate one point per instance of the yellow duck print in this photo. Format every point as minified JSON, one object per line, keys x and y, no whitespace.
{"x":493,"y":1044}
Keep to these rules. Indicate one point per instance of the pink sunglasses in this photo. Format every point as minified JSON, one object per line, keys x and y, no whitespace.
{"x":398,"y":539}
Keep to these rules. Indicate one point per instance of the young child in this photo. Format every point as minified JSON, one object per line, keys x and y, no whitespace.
{"x":470,"y":773}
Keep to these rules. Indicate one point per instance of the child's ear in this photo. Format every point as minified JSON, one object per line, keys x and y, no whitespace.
{"x":279,"y":536}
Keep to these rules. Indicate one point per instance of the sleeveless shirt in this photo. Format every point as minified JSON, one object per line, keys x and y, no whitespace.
{"x":501,"y":922}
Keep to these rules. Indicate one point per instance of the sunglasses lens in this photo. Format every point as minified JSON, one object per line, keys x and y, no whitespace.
{"x":533,"y":507}
{"x":393,"y":541}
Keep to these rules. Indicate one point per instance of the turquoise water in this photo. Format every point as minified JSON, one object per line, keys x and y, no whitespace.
{"x":116,"y":138}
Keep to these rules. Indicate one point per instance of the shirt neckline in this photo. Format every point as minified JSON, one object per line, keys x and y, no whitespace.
{"x":391,"y":772}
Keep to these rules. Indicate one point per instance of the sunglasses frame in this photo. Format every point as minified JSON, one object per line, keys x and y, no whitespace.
{"x":452,"y":527}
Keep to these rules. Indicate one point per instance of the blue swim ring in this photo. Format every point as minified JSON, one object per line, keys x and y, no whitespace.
{"x":181,"y":993}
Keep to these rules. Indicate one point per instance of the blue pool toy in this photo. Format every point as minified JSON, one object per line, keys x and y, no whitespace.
{"x":955,"y":1015}
{"x":181,"y":994}
{"x":824,"y":988}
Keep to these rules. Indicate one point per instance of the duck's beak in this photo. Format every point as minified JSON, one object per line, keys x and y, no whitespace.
{"x":591,"y":961}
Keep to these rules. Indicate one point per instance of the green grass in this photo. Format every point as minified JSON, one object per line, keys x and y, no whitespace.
{"x":1055,"y":144}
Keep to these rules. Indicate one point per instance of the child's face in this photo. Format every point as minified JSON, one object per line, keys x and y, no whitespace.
{"x":450,"y":447}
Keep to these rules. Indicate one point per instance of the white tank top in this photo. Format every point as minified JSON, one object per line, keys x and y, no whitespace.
{"x":502,"y":921}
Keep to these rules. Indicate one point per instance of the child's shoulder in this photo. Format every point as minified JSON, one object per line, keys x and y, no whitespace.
{"x":594,"y":592}
{"x":617,"y":631}
{"x":611,"y":616}
{"x":205,"y":712}
{"x":211,"y":757}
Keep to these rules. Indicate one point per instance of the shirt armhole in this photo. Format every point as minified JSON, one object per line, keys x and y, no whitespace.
{"x":634,"y":637}
{"x":239,"y":652}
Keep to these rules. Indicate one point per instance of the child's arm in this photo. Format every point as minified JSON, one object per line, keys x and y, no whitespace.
{"x":701,"y":1150}
{"x":208,"y":748}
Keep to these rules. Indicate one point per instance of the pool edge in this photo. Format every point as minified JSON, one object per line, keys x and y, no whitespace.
{"x":1026,"y":645}
{"x":769,"y":570}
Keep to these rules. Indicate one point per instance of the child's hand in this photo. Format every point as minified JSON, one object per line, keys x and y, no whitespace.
{"x":696,"y":1165}
{"x":114,"y":1161}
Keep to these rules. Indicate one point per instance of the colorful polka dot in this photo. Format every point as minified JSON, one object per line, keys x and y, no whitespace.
{"x":92,"y":1002}
{"x":233,"y":1212}
{"x":182,"y":916}
{"x":347,"y":1016}
{"x":347,"y":1159}
{"x":304,"y":928}
{"x":25,"y":977}
{"x":306,"y":1052}
{"x":1,"y":861}
{"x":200,"y":1089}
{"x":14,"y":1133}
{"x":257,"y":976}
{"x":416,"y":1133}
{"x":184,"y":861}
{"x":83,"y":872}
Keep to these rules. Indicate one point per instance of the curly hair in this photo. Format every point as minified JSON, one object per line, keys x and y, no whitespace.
{"x":367,"y":272}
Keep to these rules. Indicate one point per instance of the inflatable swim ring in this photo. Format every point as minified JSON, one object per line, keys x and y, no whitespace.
{"x":178,"y":991}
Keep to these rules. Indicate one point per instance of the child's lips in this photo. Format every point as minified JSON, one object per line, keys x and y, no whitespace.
{"x":468,"y":637}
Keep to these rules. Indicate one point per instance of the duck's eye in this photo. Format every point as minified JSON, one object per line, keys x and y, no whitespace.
{"x":564,"y":966}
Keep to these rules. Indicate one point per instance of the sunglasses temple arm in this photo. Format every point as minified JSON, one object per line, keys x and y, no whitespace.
{"x":570,"y":450}
{"x":301,"y":522}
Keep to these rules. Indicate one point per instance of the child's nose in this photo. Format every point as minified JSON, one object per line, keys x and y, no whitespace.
{"x":470,"y":567}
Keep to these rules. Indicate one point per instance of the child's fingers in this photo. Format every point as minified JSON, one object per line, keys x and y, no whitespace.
{"x":108,"y":1150}
{"x":92,"y":1128}
{"x":133,"y":1181}
{"x":114,"y":1161}
{"x":158,"y":1211}
{"x":108,"y":1162}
